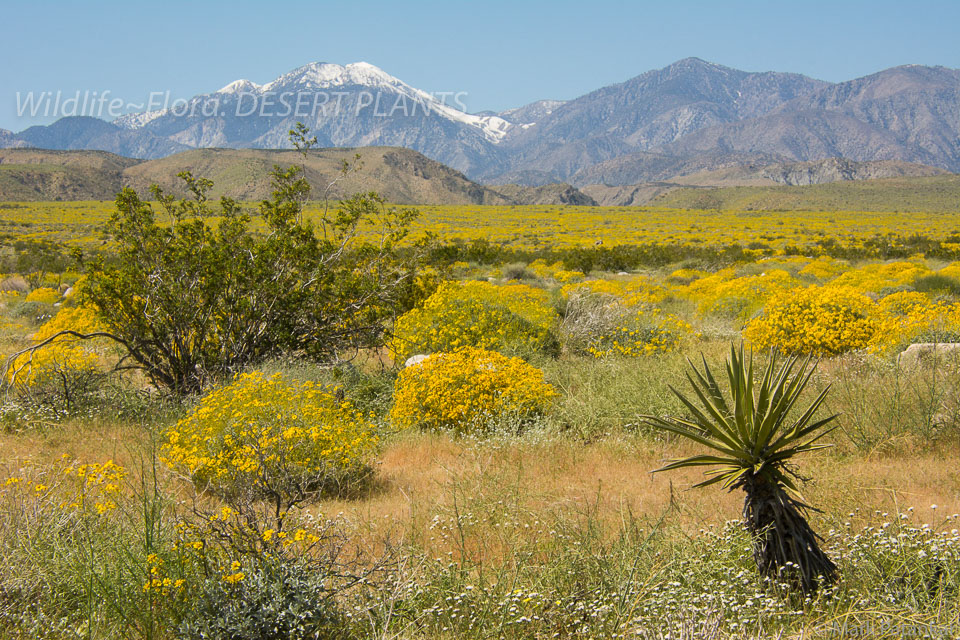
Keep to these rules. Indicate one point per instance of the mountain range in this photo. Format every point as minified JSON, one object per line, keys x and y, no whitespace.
{"x":687,"y":118}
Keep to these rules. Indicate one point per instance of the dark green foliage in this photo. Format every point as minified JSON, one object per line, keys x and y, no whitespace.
{"x":194,"y":300}
{"x":277,"y":599}
{"x":937,"y":283}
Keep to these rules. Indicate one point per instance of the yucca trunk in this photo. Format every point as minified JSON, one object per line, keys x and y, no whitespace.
{"x":781,"y":535}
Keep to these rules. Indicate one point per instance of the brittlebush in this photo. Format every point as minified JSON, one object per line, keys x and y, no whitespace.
{"x":265,"y":436}
{"x":722,"y":294}
{"x":911,"y":317}
{"x":815,"y":320}
{"x":45,"y":295}
{"x":514,"y":319}
{"x":468,"y":391}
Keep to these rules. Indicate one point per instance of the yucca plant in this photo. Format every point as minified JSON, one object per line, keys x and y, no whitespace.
{"x":753,"y":443}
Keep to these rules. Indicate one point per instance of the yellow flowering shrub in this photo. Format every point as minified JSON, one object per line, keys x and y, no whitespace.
{"x":686,"y":276}
{"x":815,"y":320}
{"x":264,"y":436}
{"x":824,"y":268}
{"x":66,"y":362}
{"x":724,"y":295}
{"x":555,"y":271}
{"x":515,"y":319}
{"x":79,"y":319}
{"x":45,"y":295}
{"x":47,"y":366}
{"x":640,"y":331}
{"x":632,"y":291}
{"x":878,"y":276}
{"x":468,"y":390}
{"x":952,"y":270}
{"x":907,"y":320}
{"x":902,"y":302}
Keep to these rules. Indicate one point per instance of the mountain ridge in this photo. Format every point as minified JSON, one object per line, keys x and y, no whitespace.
{"x":400,"y":175}
{"x":694,"y":111}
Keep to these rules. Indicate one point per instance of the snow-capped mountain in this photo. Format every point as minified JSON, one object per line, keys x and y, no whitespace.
{"x":357,"y":104}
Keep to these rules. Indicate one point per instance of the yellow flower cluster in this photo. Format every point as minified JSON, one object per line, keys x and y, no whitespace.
{"x":93,"y":488}
{"x":98,"y":483}
{"x":878,"y":276}
{"x":608,"y":317}
{"x":631,"y":291}
{"x":642,"y":331}
{"x":158,"y":582}
{"x":555,"y":271}
{"x":79,"y":319}
{"x":824,"y":268}
{"x":815,"y":320}
{"x":468,"y":390}
{"x":514,"y":318}
{"x":45,"y":295}
{"x":264,"y":432}
{"x":911,"y":317}
{"x":725,"y":295}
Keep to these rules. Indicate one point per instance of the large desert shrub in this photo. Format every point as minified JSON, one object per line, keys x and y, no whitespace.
{"x":200,"y":293}
{"x":470,"y":390}
{"x":265,"y":437}
{"x":514,"y":319}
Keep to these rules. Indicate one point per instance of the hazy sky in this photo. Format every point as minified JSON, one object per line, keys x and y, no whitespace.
{"x":503,"y":54}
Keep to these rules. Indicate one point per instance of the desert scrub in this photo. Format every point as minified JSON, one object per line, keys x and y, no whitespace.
{"x":266,"y":437}
{"x":275,"y":598}
{"x":604,"y":318}
{"x":722,"y":294}
{"x":815,"y":320}
{"x":514,"y":319}
{"x":467,"y":391}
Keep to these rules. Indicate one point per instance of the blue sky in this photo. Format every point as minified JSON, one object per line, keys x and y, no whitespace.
{"x":503,"y":54}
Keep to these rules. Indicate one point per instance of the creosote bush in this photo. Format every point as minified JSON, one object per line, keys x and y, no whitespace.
{"x":265,"y":437}
{"x":469,"y":390}
{"x":193,"y":302}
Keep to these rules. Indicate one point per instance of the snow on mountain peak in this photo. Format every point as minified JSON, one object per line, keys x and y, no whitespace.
{"x":240,"y":86}
{"x":323,"y":75}
{"x":319,"y":76}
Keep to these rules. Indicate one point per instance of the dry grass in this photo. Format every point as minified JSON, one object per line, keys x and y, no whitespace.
{"x":423,"y":475}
